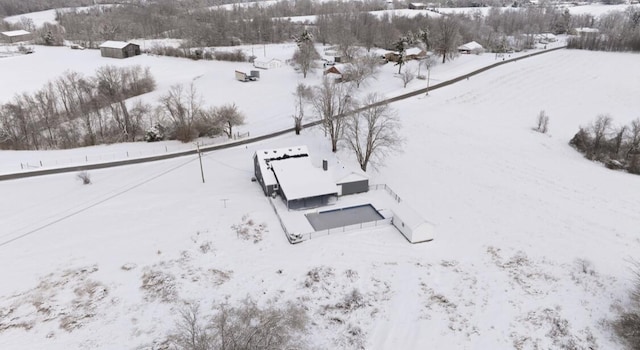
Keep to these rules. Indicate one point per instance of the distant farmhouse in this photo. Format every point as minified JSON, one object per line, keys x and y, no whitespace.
{"x":417,"y":6}
{"x":471,"y":47}
{"x":289,"y":172}
{"x":119,"y":49}
{"x":15,"y":36}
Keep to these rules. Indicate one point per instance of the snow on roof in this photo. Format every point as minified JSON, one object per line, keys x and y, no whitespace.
{"x":413,"y":51}
{"x":352,"y":177}
{"x":470,"y":46}
{"x":409,"y":216}
{"x":266,"y":156}
{"x":114,"y":44}
{"x":15,"y":33}
{"x":298,"y":178}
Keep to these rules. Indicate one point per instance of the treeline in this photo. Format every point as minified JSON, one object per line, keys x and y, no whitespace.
{"x":615,"y":31}
{"x":336,"y":21}
{"x":76,"y":110}
{"x":17,"y":7}
{"x":616,"y":147}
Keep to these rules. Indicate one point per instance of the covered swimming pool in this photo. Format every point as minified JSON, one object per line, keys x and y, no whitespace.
{"x":343,"y":217}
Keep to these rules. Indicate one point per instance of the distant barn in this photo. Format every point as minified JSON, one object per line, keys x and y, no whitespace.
{"x":15,"y":36}
{"x":119,"y":49}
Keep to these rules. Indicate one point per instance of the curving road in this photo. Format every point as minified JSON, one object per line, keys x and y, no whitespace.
{"x":211,"y":148}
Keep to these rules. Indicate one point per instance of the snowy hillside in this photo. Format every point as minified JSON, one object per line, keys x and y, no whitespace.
{"x":531,"y":251}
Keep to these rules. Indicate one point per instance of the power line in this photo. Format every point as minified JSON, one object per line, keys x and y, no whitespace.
{"x":93,"y":205}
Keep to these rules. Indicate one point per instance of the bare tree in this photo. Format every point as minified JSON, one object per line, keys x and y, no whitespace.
{"x":241,"y":327}
{"x":302,"y":95}
{"x":633,"y":139}
{"x":227,"y":117}
{"x":331,"y":102}
{"x":447,"y":37}
{"x":305,"y":53}
{"x":542,"y":122}
{"x":407,"y":76}
{"x":183,"y":108}
{"x":428,"y":63}
{"x":373,"y":132}
{"x":600,"y":130}
{"x":191,"y":333}
{"x":361,"y":68}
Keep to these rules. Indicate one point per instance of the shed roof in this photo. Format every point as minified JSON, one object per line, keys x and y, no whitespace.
{"x":414,"y":51}
{"x":410,"y":217}
{"x":298,"y":179}
{"x":470,"y":46}
{"x":115,"y":44}
{"x":13,"y":33}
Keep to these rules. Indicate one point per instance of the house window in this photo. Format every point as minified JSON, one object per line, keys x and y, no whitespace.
{"x":275,"y":187}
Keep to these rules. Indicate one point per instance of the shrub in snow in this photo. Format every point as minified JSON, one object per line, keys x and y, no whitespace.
{"x":617,"y":148}
{"x":243,"y":326}
{"x":249,"y":230}
{"x":627,"y":326}
{"x":85,"y":177}
{"x":155,"y":133}
{"x":543,"y":123}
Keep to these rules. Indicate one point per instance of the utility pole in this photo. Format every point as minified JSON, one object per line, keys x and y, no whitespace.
{"x":200,"y":158}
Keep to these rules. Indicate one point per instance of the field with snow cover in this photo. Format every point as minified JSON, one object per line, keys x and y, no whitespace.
{"x":531,"y":251}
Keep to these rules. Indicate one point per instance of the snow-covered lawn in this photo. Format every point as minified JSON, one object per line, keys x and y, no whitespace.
{"x":531,"y":251}
{"x":268,"y":104}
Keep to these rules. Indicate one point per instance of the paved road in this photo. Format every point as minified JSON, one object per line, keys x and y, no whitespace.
{"x":257,"y":138}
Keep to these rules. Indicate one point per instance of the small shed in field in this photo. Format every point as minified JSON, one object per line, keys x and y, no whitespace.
{"x":471,"y":47}
{"x":119,"y":49}
{"x":412,"y":226}
{"x":267,"y":63}
{"x":15,"y":36}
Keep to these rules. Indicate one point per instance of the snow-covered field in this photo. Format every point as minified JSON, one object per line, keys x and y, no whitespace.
{"x":267,"y":104}
{"x":532,"y":242}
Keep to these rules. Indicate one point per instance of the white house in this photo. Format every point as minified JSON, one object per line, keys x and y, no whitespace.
{"x":471,"y":47}
{"x":267,"y":63}
{"x":414,"y":228}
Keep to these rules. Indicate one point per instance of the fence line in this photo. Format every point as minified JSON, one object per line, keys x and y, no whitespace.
{"x":121,"y":155}
{"x":387,"y":189}
{"x":300,"y":237}
{"x":284,"y":228}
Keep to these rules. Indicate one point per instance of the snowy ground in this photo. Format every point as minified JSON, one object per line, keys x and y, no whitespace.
{"x":531,"y":251}
{"x":268,"y":104}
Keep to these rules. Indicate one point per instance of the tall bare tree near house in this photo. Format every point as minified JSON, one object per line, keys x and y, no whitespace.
{"x":373,"y":132}
{"x":331,"y":102}
{"x":361,"y":68}
{"x":306,"y":53}
{"x":447,"y":37}
{"x":183,"y":107}
{"x":302,"y":95}
{"x":227,"y":117}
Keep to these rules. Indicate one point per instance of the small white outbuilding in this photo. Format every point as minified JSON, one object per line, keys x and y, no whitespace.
{"x":412,"y":226}
{"x":267,"y":63}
